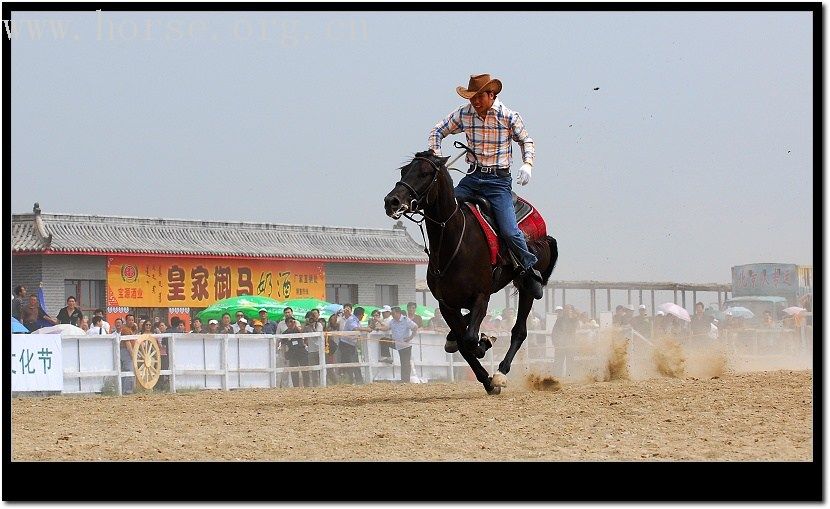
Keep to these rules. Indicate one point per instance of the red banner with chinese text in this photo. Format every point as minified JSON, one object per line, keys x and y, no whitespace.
{"x":137,"y":281}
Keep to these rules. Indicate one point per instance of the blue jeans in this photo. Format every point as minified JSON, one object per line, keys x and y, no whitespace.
{"x":497,"y":190}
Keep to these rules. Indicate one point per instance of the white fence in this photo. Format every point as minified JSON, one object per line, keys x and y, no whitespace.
{"x":218,"y":361}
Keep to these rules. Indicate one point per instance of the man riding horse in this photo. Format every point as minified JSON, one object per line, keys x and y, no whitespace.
{"x":490,"y":126}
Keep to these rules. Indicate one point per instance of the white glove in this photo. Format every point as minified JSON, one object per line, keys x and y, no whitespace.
{"x":524,"y":174}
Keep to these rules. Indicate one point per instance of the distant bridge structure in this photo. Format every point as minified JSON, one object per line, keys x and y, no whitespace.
{"x":636,"y":292}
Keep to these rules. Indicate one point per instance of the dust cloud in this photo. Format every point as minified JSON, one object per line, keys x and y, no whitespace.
{"x":538,"y":382}
{"x":669,"y":358}
{"x":610,"y":356}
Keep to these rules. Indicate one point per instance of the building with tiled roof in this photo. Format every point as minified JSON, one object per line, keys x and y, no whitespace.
{"x":121,"y":263}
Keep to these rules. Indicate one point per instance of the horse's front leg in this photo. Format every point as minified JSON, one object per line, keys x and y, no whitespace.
{"x":517,"y":337}
{"x":459,"y":324}
{"x":456,"y":332}
{"x":476,"y":316}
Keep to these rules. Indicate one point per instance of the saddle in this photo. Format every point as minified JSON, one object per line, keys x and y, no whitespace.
{"x":530,"y":222}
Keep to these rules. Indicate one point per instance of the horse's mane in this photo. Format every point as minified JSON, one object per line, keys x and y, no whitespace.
{"x":429,"y":154}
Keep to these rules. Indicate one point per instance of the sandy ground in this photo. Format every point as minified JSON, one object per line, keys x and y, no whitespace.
{"x":727,"y":416}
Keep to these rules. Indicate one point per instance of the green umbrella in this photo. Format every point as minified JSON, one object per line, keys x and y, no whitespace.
{"x":248,"y":304}
{"x":303,"y":306}
{"x":425,"y":312}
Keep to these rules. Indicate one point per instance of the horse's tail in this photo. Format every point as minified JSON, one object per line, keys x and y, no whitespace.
{"x":554,"y":255}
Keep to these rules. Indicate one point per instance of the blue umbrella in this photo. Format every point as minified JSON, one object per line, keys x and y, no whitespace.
{"x":332,"y":308}
{"x":18,"y":327}
{"x":740,"y":312}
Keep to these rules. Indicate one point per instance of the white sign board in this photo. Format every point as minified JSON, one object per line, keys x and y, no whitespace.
{"x":36,"y":362}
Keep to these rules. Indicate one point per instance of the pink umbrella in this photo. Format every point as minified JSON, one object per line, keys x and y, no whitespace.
{"x":794,"y":310}
{"x":675,"y":309}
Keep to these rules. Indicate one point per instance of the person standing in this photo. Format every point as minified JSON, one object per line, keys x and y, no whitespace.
{"x":70,"y":314}
{"x":642,"y":323}
{"x":490,"y":127}
{"x":402,"y":330}
{"x":104,"y":323}
{"x":314,"y":344}
{"x":225,"y":327}
{"x":281,"y":361}
{"x":332,"y":344}
{"x":348,"y":344}
{"x":295,"y":351}
{"x":700,"y":323}
{"x":176,"y":325}
{"x":411,"y":307}
{"x":385,"y":355}
{"x":19,"y":301}
{"x":378,"y":324}
{"x":31,"y":314}
{"x":118,"y":325}
{"x":97,"y":327}
{"x":129,"y":321}
{"x":235,"y":327}
{"x":196,"y":326}
{"x":268,"y":326}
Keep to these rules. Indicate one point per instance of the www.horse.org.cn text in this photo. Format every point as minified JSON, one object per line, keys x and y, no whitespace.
{"x":103,"y":27}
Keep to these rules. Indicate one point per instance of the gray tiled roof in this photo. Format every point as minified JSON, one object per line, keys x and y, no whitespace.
{"x":118,"y":234}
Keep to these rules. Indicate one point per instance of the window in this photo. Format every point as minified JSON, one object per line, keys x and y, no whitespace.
{"x":386,"y":295}
{"x":88,"y":294}
{"x":341,"y":294}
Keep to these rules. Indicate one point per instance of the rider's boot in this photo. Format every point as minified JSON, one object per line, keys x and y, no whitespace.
{"x":530,"y":280}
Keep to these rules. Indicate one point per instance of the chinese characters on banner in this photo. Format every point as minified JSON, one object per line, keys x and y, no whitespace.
{"x":193,"y":282}
{"x":36,"y":362}
{"x":764,"y":279}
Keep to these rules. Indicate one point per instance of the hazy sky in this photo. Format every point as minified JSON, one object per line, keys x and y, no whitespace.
{"x":695,"y":154}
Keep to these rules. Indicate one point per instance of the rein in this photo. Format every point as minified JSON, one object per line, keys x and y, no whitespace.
{"x":416,"y":208}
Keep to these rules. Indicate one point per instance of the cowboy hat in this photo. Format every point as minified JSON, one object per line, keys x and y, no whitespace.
{"x":479,"y":83}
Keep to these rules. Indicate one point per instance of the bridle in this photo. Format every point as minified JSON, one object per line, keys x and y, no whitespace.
{"x":416,"y":207}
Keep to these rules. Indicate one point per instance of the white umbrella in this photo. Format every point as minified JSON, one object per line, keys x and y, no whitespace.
{"x":677,"y":310}
{"x":794,"y":310}
{"x":740,"y":312}
{"x":64,"y":329}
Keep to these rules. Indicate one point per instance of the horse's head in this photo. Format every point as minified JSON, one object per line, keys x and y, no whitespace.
{"x":417,"y":184}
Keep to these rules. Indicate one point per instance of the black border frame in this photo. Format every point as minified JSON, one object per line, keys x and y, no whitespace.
{"x":560,"y":481}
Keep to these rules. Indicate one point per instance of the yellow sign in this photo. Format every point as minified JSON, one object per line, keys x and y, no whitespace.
{"x":138,"y":281}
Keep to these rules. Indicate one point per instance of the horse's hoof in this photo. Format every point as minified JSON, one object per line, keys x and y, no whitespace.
{"x":493,"y":391}
{"x":451,"y":346}
{"x":498,"y":379}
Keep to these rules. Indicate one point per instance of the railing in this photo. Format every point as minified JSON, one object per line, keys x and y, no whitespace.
{"x":220,"y":361}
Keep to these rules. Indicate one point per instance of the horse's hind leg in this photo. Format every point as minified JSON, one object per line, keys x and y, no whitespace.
{"x":517,"y":337}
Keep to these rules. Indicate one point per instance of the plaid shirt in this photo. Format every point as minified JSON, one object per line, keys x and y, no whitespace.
{"x":488,"y":138}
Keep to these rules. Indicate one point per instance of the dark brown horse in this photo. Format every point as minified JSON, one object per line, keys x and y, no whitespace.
{"x":459,"y":273}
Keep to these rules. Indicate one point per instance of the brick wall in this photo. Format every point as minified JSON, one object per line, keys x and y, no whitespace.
{"x":366,"y":276}
{"x":27,"y":270}
{"x":58,"y":268}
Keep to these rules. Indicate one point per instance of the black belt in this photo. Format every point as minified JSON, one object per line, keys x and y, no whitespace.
{"x":498,"y":170}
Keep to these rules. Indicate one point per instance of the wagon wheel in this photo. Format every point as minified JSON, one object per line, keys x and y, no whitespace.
{"x":146,"y":361}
